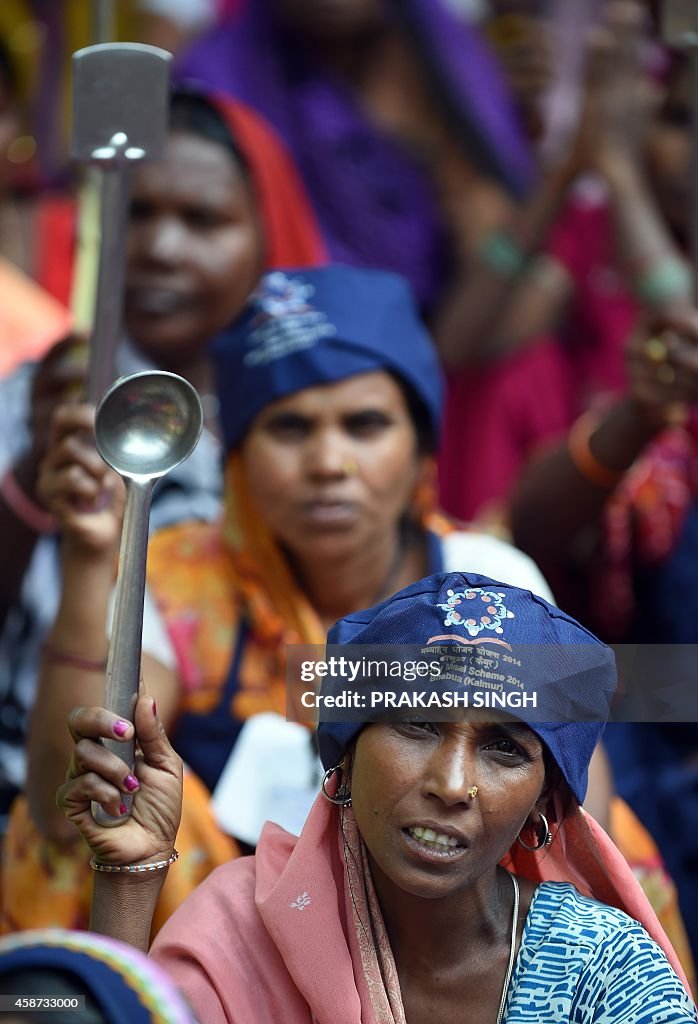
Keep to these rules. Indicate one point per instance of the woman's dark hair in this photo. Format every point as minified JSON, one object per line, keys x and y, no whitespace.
{"x":426,"y":442}
{"x":556,"y":783}
{"x":192,"y":112}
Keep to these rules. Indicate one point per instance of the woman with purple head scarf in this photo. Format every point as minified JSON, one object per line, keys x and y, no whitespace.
{"x":394,"y":112}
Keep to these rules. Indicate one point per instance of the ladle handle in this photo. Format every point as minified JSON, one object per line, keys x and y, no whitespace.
{"x":124,"y":660}
{"x":115,"y":186}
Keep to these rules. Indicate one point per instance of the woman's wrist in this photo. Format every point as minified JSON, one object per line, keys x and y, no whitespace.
{"x":659,"y":276}
{"x":81,"y":625}
{"x":618,"y":168}
{"x":81,"y":557}
{"x":603,"y":446}
{"x":651,"y":418}
{"x":123,"y":905}
{"x":628,"y":427}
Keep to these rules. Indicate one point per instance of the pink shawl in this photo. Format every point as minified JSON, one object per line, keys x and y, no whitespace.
{"x":275,"y":938}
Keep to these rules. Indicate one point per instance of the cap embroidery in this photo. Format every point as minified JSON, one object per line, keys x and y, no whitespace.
{"x":465,"y":608}
{"x":285,"y":321}
{"x":281,"y":295}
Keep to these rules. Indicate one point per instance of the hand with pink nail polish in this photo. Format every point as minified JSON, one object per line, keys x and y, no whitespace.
{"x":96,"y":774}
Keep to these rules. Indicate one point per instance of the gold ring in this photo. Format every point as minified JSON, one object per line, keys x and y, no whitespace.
{"x":655,"y":350}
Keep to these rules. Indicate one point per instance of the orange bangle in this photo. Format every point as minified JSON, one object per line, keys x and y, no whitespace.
{"x":585,"y":462}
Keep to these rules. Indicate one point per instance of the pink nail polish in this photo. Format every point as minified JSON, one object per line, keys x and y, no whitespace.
{"x":131,"y":783}
{"x":123,"y":809}
{"x":120,"y":728}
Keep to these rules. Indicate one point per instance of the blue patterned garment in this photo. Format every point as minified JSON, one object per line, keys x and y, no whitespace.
{"x":581,"y":962}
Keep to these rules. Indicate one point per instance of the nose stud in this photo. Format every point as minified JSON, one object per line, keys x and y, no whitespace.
{"x":472,"y":792}
{"x":351,"y":467}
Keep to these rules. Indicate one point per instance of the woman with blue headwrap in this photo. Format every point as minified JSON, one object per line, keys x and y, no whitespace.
{"x":446,"y":870}
{"x":330,"y":404}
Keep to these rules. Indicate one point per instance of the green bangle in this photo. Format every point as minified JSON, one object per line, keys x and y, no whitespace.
{"x":668,"y":278}
{"x":501,"y":253}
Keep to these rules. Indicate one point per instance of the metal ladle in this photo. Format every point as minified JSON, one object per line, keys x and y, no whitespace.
{"x":145,"y":425}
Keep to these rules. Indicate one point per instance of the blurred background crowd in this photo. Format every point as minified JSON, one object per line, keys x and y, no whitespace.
{"x":526,"y":166}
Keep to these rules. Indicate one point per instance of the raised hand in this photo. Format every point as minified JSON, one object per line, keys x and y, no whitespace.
{"x":96,"y":774}
{"x":663,"y":366}
{"x":618,"y":94}
{"x":77,"y":486}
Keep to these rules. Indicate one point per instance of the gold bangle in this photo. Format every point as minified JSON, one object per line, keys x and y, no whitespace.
{"x":134,"y":869}
{"x":584,"y":460}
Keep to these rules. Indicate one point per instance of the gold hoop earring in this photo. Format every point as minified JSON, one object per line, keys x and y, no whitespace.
{"x":543,"y":835}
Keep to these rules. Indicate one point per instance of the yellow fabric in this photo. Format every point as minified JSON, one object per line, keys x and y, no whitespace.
{"x":46,"y":887}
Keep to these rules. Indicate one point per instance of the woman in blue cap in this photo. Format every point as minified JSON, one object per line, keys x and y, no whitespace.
{"x":330,"y":403}
{"x":446,"y":870}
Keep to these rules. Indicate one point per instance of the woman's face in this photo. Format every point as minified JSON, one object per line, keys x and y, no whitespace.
{"x":195,"y":249}
{"x":407,"y":776}
{"x":668,"y":156}
{"x":332,"y":468}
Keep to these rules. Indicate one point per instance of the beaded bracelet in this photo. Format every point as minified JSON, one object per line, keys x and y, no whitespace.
{"x":585,"y":462}
{"x":26,"y":510}
{"x":134,"y":869}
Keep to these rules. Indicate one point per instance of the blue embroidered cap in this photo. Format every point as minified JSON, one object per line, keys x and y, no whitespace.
{"x":124,"y":985}
{"x":301,"y":328}
{"x":572,"y":674}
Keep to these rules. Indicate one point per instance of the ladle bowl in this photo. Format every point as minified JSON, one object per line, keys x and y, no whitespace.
{"x":148,"y":423}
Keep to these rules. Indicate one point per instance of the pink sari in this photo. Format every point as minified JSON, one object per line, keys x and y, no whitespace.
{"x":292,"y":933}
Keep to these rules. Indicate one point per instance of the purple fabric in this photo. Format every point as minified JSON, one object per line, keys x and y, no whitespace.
{"x":374,"y":200}
{"x":468,"y":78}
